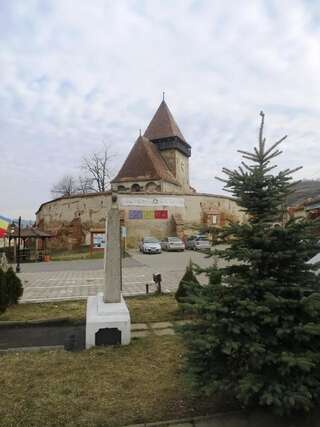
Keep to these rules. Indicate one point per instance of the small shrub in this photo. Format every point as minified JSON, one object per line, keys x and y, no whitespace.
{"x":14,"y":286}
{"x":10,"y":289}
{"x":4,"y":298}
{"x":188,"y":285}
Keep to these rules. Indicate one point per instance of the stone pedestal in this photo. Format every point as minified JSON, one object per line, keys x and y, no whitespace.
{"x":107,"y":323}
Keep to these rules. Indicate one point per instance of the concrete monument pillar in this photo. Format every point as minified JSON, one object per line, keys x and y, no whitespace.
{"x":112,"y":259}
{"x":108,"y":317}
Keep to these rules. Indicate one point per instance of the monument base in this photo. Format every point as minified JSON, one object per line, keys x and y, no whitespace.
{"x":107,"y":323}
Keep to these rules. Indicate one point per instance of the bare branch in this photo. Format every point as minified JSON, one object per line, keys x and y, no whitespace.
{"x":98,"y":169}
{"x":66,"y":186}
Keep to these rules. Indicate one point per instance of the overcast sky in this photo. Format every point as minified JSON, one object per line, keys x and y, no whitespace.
{"x":74,"y":73}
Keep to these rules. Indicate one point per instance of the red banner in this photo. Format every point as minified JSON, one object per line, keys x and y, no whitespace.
{"x":161,"y":214}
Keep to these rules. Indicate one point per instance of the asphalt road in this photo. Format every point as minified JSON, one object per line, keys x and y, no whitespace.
{"x":165,"y":260}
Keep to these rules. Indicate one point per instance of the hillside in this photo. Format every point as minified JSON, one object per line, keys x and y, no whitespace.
{"x":307,"y":188}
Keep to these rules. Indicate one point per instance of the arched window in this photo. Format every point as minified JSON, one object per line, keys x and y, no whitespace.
{"x":135,"y":188}
{"x":151,"y":187}
{"x":121,"y":188}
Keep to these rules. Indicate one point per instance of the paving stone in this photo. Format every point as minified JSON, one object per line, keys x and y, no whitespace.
{"x":140,"y":334}
{"x":160,"y":332}
{"x":161,"y":325}
{"x":139,"y":327}
{"x":77,"y":279}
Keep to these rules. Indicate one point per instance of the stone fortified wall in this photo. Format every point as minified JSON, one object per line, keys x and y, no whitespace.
{"x":73,"y":218}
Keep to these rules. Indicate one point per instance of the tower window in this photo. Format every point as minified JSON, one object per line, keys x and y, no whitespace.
{"x":135,"y":188}
{"x":151,"y":187}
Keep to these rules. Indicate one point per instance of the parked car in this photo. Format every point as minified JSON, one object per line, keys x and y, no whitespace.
{"x":172,"y":244}
{"x":198,"y":243}
{"x":150,"y":245}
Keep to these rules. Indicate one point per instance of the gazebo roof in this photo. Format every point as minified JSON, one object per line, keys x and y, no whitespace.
{"x":29,"y":232}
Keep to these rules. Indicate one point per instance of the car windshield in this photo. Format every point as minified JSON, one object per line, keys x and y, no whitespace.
{"x":202,"y":238}
{"x":150,"y":240}
{"x":174,"y":239}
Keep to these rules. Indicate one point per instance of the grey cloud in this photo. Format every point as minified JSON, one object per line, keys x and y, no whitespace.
{"x":74,"y":74}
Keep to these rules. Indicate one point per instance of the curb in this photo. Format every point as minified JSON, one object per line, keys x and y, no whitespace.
{"x":191,"y":421}
{"x":31,"y":349}
{"x":49,"y":322}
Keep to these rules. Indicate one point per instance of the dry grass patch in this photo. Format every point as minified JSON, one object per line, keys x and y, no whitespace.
{"x":157,"y":308}
{"x":107,"y":386}
{"x":142,"y":309}
{"x":74,"y":310}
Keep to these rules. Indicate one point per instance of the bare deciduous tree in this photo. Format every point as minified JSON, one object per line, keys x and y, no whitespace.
{"x":97,"y":169}
{"x":66,"y":186}
{"x":84,"y":185}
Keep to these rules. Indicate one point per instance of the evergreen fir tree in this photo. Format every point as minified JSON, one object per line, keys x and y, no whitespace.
{"x":257,"y":334}
{"x":188,"y":285}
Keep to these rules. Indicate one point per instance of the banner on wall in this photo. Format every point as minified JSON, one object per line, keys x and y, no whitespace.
{"x":152,"y":201}
{"x":148,"y":214}
{"x":158,"y":214}
{"x":161,"y":214}
{"x":135,"y":214}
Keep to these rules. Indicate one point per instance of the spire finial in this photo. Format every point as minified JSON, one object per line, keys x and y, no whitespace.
{"x":139,"y":132}
{"x":163,"y":94}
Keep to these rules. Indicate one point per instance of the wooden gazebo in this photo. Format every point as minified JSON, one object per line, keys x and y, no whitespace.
{"x":33,"y":243}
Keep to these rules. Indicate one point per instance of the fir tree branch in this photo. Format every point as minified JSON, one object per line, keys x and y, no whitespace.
{"x":275,"y":145}
{"x":261,"y":133}
{"x":249,"y":168}
{"x":225,"y":181}
{"x":247,"y":153}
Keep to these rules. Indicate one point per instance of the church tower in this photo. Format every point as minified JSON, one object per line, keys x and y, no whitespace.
{"x":158,"y":161}
{"x":165,"y":134}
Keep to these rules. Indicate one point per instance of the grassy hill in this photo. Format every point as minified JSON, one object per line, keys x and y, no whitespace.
{"x":307,"y":188}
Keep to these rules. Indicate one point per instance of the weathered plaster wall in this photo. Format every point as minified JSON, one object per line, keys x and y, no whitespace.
{"x":72,"y":218}
{"x":179,"y":166}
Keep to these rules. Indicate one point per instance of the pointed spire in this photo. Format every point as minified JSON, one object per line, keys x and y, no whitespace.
{"x":163,"y":124}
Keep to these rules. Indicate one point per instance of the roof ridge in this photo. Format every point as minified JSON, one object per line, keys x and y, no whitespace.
{"x":151,"y":147}
{"x":144,"y":162}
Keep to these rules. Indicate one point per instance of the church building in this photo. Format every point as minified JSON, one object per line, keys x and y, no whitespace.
{"x":154,"y":195}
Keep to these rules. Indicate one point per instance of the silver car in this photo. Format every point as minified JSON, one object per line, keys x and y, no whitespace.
{"x":150,"y":245}
{"x":172,"y":244}
{"x":198,"y":243}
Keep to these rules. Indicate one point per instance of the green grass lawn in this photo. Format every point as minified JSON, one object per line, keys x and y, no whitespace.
{"x":112,"y":386}
{"x":82,"y":253}
{"x":142,"y":309}
{"x":72,"y":256}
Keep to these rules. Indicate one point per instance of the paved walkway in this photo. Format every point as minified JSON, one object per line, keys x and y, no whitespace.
{"x":139,"y":330}
{"x":78,"y":279}
{"x":63,"y":285}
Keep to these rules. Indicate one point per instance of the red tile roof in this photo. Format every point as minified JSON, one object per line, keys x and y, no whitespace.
{"x":163,"y":125}
{"x":144,"y":163}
